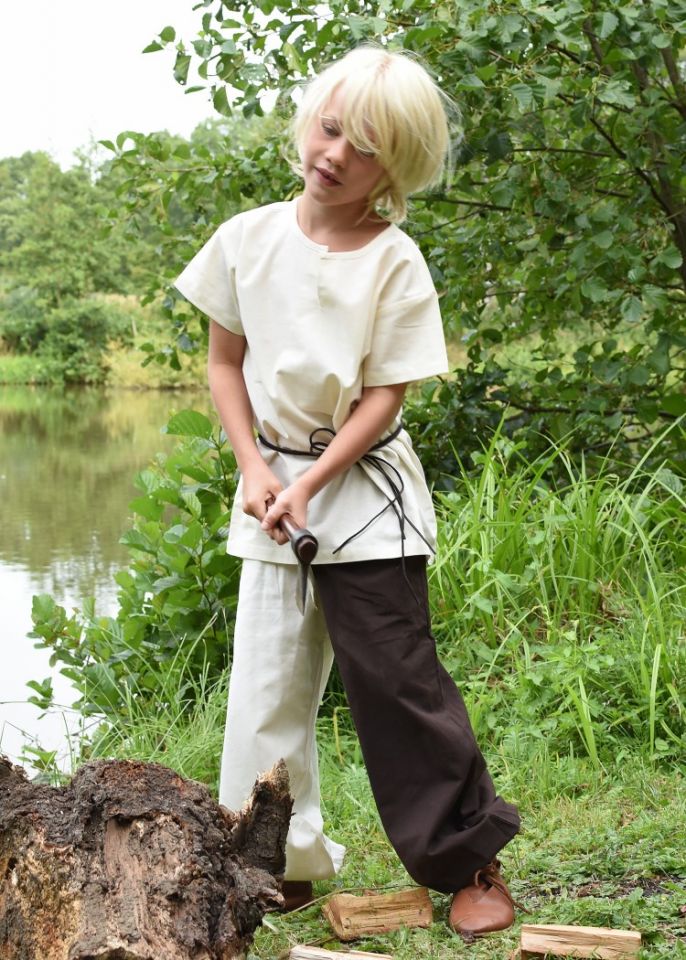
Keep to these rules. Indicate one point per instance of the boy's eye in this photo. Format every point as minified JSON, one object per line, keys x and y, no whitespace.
{"x":366,"y":154}
{"x":330,"y":130}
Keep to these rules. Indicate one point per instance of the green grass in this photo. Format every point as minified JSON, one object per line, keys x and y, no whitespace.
{"x":596,"y":849}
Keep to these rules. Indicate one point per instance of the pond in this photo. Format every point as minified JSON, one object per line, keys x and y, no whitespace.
{"x":67,"y":464}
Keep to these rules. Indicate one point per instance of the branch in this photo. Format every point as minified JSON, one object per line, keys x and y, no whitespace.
{"x":565,"y":53}
{"x":546,"y":149}
{"x":638,"y":170}
{"x":446,"y":223}
{"x":677,"y":83}
{"x":597,"y":49}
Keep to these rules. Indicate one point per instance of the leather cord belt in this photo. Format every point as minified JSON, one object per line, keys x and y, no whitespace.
{"x":319,"y":440}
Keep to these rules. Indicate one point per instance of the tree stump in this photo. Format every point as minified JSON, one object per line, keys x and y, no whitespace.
{"x":132,"y":862}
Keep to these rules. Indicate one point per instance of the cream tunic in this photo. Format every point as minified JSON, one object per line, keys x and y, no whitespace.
{"x":319,"y":327}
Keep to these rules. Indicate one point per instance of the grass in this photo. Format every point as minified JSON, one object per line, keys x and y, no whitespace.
{"x":596,"y":849}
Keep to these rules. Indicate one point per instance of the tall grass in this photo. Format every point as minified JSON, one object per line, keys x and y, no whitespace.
{"x":559,"y":607}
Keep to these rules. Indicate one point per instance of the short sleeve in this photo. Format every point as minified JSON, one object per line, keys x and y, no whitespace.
{"x":407,"y":340}
{"x":209,"y":280}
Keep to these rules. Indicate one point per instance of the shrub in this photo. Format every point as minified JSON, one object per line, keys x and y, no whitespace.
{"x":178,"y":596}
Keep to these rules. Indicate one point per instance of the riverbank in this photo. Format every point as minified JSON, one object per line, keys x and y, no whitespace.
{"x":124,"y":370}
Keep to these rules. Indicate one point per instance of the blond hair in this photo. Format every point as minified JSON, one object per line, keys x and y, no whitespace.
{"x":393,"y":110}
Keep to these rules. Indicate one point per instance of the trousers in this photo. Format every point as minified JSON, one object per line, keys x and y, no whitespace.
{"x":435,"y":797}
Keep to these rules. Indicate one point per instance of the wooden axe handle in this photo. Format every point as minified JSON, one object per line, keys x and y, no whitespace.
{"x":304,"y":543}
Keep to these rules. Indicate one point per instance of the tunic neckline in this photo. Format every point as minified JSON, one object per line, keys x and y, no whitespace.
{"x":323,"y":250}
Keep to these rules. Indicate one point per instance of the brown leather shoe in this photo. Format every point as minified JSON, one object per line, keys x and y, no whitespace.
{"x":296,"y":894}
{"x":484,"y":906}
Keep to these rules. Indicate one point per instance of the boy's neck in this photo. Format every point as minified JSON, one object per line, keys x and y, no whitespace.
{"x":340,"y":228}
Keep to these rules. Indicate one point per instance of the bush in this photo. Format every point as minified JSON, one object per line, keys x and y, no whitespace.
{"x":75,"y":343}
{"x":23,"y":323}
{"x":177,"y":598}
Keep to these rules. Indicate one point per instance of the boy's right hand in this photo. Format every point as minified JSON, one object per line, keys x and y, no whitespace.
{"x":260,"y":486}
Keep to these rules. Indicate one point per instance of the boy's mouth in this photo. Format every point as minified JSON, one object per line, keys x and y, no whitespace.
{"x":328,"y":177}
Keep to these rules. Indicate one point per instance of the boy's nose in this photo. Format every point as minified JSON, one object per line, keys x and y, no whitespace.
{"x":337,"y":151}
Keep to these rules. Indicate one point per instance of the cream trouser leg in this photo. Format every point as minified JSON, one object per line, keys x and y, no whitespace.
{"x":281,"y":662}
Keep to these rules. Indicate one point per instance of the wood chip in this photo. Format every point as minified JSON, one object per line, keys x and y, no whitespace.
{"x":352,"y":917}
{"x":317,"y":953}
{"x":539,"y":940}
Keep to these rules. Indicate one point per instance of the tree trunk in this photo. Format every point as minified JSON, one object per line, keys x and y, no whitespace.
{"x":132,"y":862}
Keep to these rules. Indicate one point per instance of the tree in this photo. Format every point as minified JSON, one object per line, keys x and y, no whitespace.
{"x":565,"y":211}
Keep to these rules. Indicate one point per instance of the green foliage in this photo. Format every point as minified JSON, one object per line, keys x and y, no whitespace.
{"x":23,"y":322}
{"x":175,"y":192}
{"x":565,"y":210}
{"x":56,"y":261}
{"x":604,"y":402}
{"x":76,"y":339}
{"x":562,"y":605}
{"x":177,"y":598}
{"x":69,"y":343}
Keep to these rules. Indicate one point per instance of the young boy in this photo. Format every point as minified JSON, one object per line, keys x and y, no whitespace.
{"x":322,"y":312}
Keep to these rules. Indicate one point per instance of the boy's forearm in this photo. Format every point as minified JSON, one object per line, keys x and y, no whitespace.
{"x":372,"y":417}
{"x":231,"y":400}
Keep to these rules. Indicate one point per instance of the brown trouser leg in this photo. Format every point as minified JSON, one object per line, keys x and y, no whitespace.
{"x":434,"y":794}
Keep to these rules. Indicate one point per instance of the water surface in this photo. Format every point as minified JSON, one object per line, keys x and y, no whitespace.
{"x":67,"y":463}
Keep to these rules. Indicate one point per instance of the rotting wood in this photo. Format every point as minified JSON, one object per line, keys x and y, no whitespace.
{"x":540,"y":940}
{"x":352,"y":917}
{"x":129,"y":861}
{"x":302,"y":952}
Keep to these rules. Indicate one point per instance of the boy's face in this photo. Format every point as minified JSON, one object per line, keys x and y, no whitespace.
{"x":335,"y":172}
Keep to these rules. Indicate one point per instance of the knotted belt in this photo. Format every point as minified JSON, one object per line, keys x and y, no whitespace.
{"x":319,"y":440}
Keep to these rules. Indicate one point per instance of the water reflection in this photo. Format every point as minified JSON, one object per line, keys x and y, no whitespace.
{"x":67,"y":463}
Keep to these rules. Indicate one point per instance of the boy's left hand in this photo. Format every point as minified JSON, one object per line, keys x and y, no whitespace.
{"x":292,"y":500}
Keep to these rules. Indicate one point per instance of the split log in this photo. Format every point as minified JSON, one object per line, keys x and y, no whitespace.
{"x":302,"y":952}
{"x":553,"y":940}
{"x":365,"y":916}
{"x":129,"y":861}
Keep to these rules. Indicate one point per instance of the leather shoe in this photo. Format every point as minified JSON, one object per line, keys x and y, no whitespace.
{"x":484,"y":906}
{"x":296,"y":894}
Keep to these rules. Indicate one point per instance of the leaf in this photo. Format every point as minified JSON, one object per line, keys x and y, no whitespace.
{"x":523,"y":94}
{"x":674,"y":404}
{"x":498,"y":145}
{"x":594,"y":289}
{"x":192,"y":503}
{"x":639,"y":375}
{"x":483,"y":603}
{"x":43,"y":608}
{"x":189,"y":423}
{"x":220,"y":101}
{"x":181,"y":65}
{"x":661,"y":41}
{"x":152,"y":47}
{"x":608,"y":25}
{"x":470,"y":81}
{"x":604,"y":239}
{"x":617,"y":92}
{"x":631,"y":309}
{"x":671,"y":257}
{"x":147,"y":507}
{"x":168,"y":35}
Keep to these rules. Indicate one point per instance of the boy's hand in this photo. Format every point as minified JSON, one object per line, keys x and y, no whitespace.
{"x":259,"y":487}
{"x":292,"y":500}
